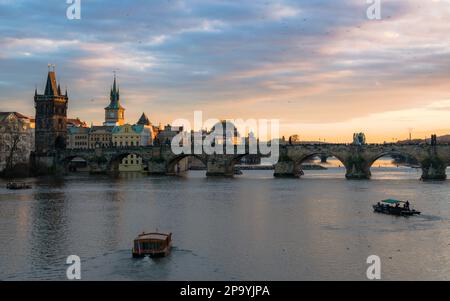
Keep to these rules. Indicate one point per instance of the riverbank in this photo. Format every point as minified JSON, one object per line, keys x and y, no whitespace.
{"x":19,"y":171}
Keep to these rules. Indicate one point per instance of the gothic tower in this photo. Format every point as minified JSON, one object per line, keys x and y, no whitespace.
{"x":51,"y":117}
{"x":114,"y":113}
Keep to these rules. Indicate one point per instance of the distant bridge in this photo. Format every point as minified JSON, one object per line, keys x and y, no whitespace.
{"x":357,"y":159}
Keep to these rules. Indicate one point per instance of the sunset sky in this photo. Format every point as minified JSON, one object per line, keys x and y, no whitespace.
{"x":321,"y":67}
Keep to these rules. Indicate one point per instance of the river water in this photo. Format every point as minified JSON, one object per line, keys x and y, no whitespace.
{"x":252,"y":227}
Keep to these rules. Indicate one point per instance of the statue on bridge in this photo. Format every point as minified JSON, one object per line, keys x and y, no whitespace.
{"x":359,"y":139}
{"x":433,"y":141}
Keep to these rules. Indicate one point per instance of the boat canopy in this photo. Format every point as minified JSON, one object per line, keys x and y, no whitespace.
{"x":391,"y":201}
{"x":153,"y":236}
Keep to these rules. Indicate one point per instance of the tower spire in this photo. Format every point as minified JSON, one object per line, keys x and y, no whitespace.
{"x":114,"y":89}
{"x":115,"y":96}
{"x":51,"y":87}
{"x":114,"y":112}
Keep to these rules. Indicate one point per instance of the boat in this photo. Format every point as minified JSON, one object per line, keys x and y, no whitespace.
{"x":395,"y":207}
{"x":152,"y":244}
{"x":17,"y":185}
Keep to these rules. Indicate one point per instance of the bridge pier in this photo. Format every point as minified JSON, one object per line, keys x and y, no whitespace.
{"x":46,"y":164}
{"x":157,"y":167}
{"x":433,"y":169}
{"x":220,"y":166}
{"x":99,"y":169}
{"x":357,"y":174}
{"x":287,"y":169}
{"x":357,"y":168}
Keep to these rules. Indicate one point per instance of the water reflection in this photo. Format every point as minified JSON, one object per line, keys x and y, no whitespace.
{"x":49,"y":229}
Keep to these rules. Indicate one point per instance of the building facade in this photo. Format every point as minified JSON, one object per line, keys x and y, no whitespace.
{"x":166,"y":134}
{"x":100,"y":136}
{"x":145,"y":121}
{"x":78,"y":137}
{"x":51,"y":117}
{"x":77,"y":134}
{"x":129,"y":136}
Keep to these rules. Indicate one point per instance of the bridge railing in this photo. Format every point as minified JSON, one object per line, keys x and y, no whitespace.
{"x":237,"y":147}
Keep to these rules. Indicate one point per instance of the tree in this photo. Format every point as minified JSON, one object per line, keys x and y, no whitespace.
{"x":12,"y":145}
{"x":294,"y":139}
{"x":15,"y":141}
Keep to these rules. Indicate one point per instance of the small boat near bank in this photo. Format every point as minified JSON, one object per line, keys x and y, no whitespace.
{"x":395,"y":207}
{"x":237,"y":171}
{"x":18,"y":185}
{"x":152,"y":244}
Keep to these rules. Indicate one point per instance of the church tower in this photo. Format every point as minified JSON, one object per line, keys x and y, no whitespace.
{"x":51,"y":116}
{"x":114,"y":113}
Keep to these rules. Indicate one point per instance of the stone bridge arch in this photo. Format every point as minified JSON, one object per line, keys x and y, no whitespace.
{"x":292,"y":157}
{"x":63,"y":162}
{"x":116,"y":159}
{"x":370,"y":158}
{"x":432,"y":164}
{"x":323,"y":153}
{"x":172,"y":162}
{"x":386,"y":153}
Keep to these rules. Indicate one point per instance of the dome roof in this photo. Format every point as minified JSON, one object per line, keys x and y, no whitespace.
{"x":227,"y":127}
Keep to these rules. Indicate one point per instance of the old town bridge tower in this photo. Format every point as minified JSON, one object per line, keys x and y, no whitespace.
{"x":51,"y":117}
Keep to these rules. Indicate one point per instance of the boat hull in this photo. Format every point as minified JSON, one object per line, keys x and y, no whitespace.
{"x":152,"y":245}
{"x":18,"y":187}
{"x":399,"y":211}
{"x":151,"y":254}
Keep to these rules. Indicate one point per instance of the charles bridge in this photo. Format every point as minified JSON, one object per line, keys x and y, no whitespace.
{"x":357,"y":159}
{"x":51,"y":152}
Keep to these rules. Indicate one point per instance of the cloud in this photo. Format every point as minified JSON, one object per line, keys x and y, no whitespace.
{"x":279,"y":11}
{"x":13,"y":47}
{"x":316,"y":62}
